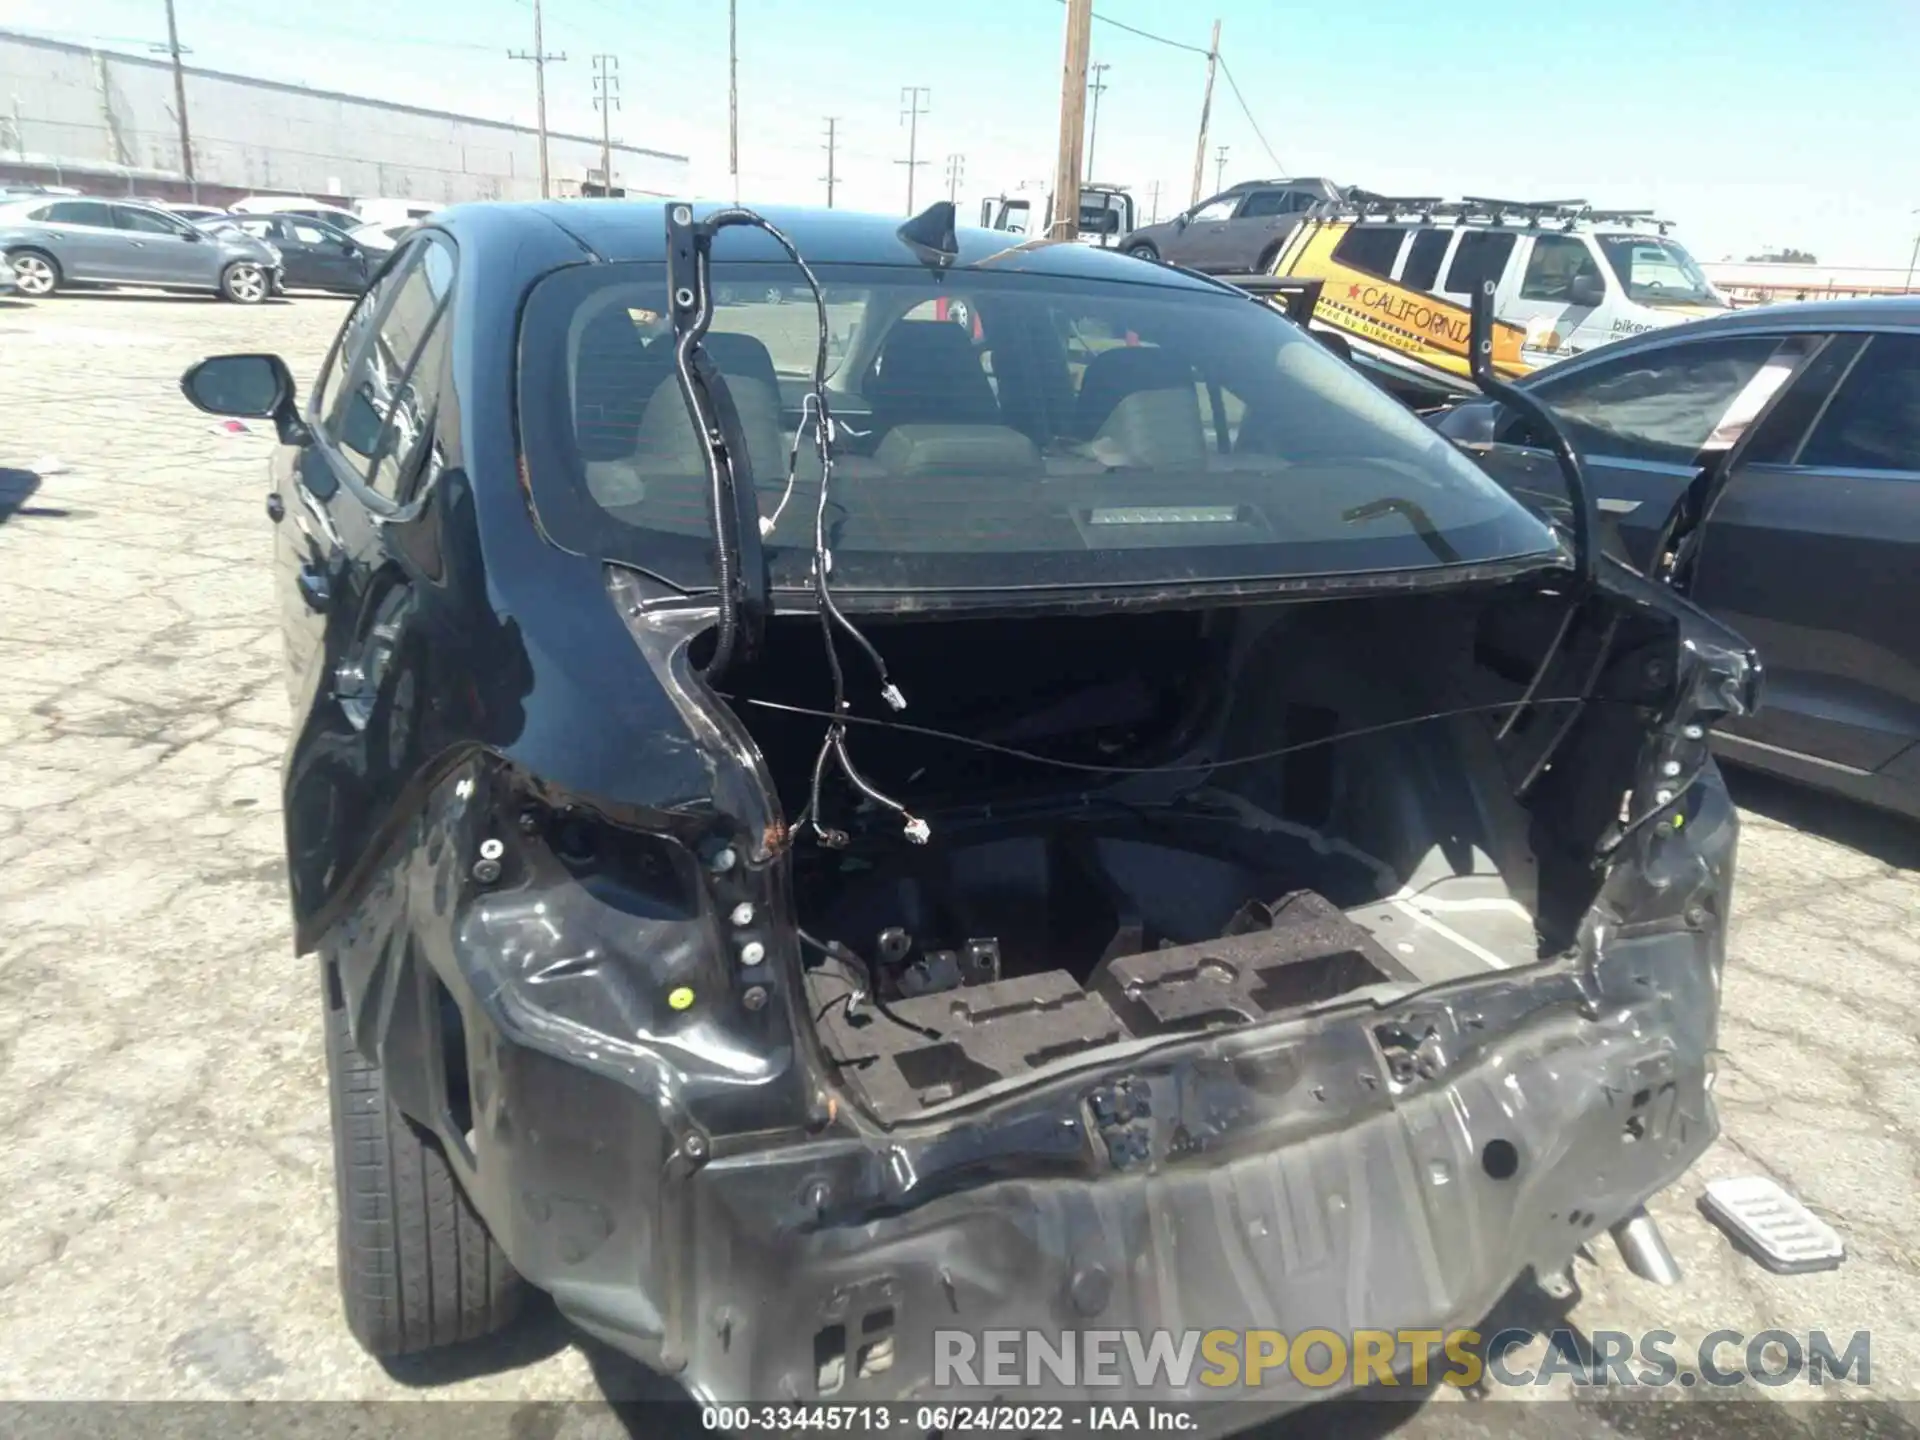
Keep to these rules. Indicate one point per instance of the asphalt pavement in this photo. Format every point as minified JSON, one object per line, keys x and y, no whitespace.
{"x":167,"y":1232}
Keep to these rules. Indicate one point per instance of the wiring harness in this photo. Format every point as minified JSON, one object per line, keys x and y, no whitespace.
{"x":738,"y":525}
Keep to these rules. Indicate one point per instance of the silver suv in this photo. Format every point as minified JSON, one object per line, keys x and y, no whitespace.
{"x":53,"y":242}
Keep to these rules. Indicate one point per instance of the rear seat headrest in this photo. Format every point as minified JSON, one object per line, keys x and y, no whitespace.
{"x":1128,"y":370}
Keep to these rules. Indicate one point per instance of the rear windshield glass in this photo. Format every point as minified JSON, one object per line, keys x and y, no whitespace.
{"x":997,"y":430}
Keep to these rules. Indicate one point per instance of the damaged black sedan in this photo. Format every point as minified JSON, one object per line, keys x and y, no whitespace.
{"x":1023,"y":795}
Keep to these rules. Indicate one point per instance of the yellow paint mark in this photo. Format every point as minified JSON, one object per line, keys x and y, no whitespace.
{"x":680,"y":997}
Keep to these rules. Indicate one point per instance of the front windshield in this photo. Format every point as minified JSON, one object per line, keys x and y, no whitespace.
{"x":1658,"y":271}
{"x":998,"y":430}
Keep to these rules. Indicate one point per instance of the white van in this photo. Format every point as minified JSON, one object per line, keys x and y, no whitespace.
{"x":1399,"y":273}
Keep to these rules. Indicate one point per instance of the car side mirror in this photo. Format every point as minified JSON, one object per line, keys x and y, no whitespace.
{"x":1180,"y":222}
{"x":247,"y":387}
{"x":192,"y":235}
{"x":1587,"y":289}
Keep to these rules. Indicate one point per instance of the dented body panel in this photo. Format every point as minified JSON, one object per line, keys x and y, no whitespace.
{"x":552,"y":874}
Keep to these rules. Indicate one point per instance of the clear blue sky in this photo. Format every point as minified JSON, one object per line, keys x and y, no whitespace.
{"x":1753,"y":123}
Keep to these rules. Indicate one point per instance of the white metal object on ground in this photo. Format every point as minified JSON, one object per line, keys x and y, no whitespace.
{"x":1772,"y":1226}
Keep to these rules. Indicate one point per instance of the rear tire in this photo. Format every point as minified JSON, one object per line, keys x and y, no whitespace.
{"x":36,"y":274}
{"x":418,"y":1267}
{"x":1143,"y":251}
{"x":244,"y":283}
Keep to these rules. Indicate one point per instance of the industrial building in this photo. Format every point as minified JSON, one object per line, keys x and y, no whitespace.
{"x":107,"y":123}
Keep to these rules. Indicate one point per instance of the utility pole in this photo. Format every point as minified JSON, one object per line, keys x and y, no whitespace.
{"x":832,"y":121}
{"x":910,"y":112}
{"x":1913,"y":260}
{"x":1219,"y":170}
{"x":606,"y":99}
{"x":956,"y":169}
{"x":733,"y":96}
{"x":1206,"y":114}
{"x":180,"y":103}
{"x":1153,"y":211}
{"x":539,"y":57}
{"x":1073,"y":114}
{"x":1098,"y":87}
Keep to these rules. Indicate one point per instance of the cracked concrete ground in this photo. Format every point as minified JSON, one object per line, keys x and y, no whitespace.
{"x":168,"y":1231}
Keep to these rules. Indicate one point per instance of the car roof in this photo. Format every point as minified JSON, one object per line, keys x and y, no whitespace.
{"x":630,"y":230}
{"x":1895,"y":310}
{"x":1898,"y":312}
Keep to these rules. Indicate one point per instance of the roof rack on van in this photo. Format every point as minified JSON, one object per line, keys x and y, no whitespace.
{"x":1359,"y":204}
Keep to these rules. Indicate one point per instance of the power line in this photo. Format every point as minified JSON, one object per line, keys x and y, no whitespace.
{"x":1147,"y":34}
{"x":956,"y":171}
{"x":1227,"y":71}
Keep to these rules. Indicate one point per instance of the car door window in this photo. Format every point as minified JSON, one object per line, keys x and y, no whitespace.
{"x":1214,"y":210}
{"x":1555,"y":263}
{"x":381,"y":418}
{"x":1482,"y":255}
{"x":1661,"y":404}
{"x":1873,"y":420}
{"x":144,"y":222}
{"x":1265,"y":202}
{"x":259,"y":229}
{"x":1372,"y":248}
{"x":352,"y":338}
{"x":79,"y":212}
{"x":1422,"y":266}
{"x":309,"y":234}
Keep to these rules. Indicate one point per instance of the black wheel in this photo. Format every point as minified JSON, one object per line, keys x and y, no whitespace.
{"x":418,"y":1267}
{"x":1143,"y":251}
{"x":36,"y":273}
{"x":244,"y":283}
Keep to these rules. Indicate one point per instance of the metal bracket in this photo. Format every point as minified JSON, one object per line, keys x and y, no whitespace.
{"x":740,"y":562}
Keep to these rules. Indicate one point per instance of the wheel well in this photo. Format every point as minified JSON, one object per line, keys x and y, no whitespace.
{"x":1146,"y":247}
{"x":1268,"y":256}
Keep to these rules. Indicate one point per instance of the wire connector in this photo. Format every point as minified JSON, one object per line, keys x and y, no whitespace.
{"x":890,"y":693}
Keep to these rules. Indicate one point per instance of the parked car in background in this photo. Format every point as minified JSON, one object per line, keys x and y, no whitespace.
{"x":306,"y":207}
{"x":380,"y":238}
{"x":1398,"y":272}
{"x":197,"y":214}
{"x":22,"y":190}
{"x":380,"y":210}
{"x":1237,"y":232}
{"x":52,"y":243}
{"x":1269,"y":918}
{"x":314,"y":255}
{"x":1807,"y":418}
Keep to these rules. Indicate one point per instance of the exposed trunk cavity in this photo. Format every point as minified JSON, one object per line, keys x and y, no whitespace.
{"x":1057,"y":910}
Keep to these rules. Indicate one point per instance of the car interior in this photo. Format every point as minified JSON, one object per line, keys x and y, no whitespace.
{"x":1021,"y":396}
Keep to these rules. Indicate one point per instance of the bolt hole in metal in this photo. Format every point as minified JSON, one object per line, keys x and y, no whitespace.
{"x":1500,"y":1159}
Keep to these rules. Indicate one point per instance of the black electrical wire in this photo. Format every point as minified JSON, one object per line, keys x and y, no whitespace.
{"x":833,"y":744}
{"x":1036,"y":759}
{"x":847,"y":955}
{"x":1601,"y":655}
{"x":1247,"y":111}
